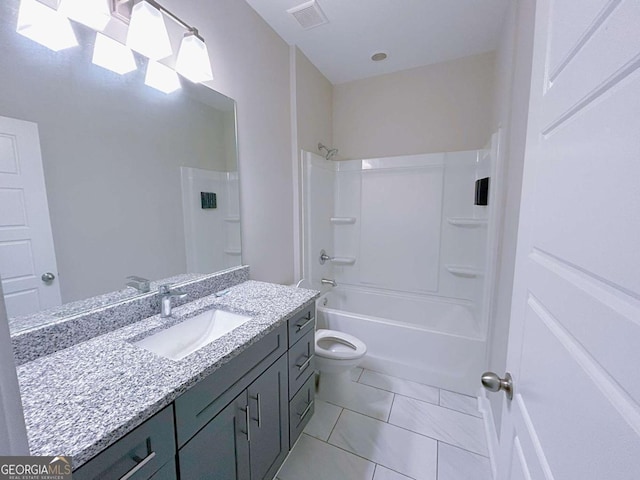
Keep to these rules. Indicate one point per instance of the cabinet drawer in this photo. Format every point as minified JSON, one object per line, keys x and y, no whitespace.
{"x":302,"y":323}
{"x":302,"y":362}
{"x":301,"y":409}
{"x":138,"y":455}
{"x":196,"y":407}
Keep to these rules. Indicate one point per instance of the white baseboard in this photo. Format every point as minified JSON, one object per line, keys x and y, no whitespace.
{"x":490,"y":429}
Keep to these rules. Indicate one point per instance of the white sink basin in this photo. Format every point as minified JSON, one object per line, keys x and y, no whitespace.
{"x":194,"y":333}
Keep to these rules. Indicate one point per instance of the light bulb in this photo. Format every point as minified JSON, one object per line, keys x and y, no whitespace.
{"x":147,"y":32}
{"x":92,"y":13}
{"x":45,"y":26}
{"x":193,"y":60}
{"x":113,"y":55}
{"x":162,"y":78}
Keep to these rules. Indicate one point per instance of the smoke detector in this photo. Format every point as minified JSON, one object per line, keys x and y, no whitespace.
{"x":309,"y":15}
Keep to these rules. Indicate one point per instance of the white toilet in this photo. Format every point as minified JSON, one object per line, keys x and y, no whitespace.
{"x":338,"y":352}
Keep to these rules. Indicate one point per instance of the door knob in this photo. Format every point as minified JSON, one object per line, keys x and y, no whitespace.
{"x":494,"y":383}
{"x":48,"y":277}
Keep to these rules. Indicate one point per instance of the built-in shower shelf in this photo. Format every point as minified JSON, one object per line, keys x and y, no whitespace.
{"x":343,"y":260}
{"x":233,"y":251}
{"x":232,"y":219}
{"x":343,"y":220}
{"x":467,"y":222}
{"x":463,"y":271}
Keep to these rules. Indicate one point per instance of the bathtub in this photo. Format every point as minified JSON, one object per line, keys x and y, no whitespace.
{"x":429,"y":341}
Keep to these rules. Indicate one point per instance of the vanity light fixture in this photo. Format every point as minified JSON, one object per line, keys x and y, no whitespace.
{"x":112,"y":55}
{"x":147,"y":32}
{"x":45,"y":26}
{"x":95,"y":14}
{"x":193,"y":58}
{"x":161,"y":77}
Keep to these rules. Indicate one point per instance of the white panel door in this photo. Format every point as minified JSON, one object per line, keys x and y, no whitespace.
{"x":26,"y":243}
{"x":574,"y":346}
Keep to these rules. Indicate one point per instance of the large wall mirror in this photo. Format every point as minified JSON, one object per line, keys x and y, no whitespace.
{"x":127,"y":180}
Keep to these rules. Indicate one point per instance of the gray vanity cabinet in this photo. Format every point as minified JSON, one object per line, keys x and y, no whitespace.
{"x":236,"y":424}
{"x":301,"y":365}
{"x":248,"y":439}
{"x":268,"y":420}
{"x":138,"y":455}
{"x":220,"y":450}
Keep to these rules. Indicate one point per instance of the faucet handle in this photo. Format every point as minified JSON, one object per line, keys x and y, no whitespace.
{"x":172,"y":292}
{"x":139,"y":283}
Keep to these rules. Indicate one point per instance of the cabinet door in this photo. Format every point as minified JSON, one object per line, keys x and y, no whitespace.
{"x":220,"y":450}
{"x":268,"y":404}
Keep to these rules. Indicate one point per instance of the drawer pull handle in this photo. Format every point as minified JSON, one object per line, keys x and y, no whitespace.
{"x":259,"y":417}
{"x":247,"y":416}
{"x":140,"y":464}
{"x":306,"y":411}
{"x":302,"y":326}
{"x":303,"y":366}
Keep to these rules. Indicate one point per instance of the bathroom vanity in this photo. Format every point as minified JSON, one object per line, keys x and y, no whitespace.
{"x":232,"y":409}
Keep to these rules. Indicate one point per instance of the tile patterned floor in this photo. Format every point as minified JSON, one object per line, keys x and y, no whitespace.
{"x":387,"y":428}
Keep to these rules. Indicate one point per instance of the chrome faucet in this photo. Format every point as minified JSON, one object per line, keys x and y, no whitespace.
{"x":166,"y":294}
{"x":326,"y":281}
{"x":139,"y":283}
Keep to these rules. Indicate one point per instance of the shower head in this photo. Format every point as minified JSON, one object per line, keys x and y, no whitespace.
{"x":331,"y":152}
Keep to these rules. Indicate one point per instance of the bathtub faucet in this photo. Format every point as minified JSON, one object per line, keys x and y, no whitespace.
{"x":326,"y":281}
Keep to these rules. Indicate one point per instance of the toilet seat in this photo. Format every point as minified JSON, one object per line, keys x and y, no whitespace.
{"x":339,"y":345}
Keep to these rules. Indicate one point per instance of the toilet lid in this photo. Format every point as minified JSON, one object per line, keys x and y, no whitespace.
{"x":339,"y":345}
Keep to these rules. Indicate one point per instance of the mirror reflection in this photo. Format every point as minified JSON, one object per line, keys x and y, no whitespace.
{"x":103,"y":177}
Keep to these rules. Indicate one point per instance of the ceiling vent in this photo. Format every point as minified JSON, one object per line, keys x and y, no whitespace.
{"x":309,"y":15}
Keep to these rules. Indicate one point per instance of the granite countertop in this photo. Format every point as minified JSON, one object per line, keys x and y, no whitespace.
{"x":82,"y":399}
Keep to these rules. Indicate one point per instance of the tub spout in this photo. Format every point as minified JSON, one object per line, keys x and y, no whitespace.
{"x":326,"y":281}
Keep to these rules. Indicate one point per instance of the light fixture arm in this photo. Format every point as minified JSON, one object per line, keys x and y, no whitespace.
{"x":117,"y":9}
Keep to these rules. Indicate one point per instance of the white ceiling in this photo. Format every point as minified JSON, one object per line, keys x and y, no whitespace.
{"x":412,"y":32}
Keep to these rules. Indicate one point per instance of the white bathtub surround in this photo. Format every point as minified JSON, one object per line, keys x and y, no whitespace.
{"x":344,"y":435}
{"x":416,"y":292}
{"x":409,"y":336}
{"x":212,"y":236}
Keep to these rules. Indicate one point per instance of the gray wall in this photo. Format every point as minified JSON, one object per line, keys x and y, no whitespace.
{"x":444,"y":107}
{"x":251,"y":64}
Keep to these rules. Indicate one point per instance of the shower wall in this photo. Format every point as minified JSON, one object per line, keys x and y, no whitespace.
{"x":318,"y":186}
{"x":405,"y":225}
